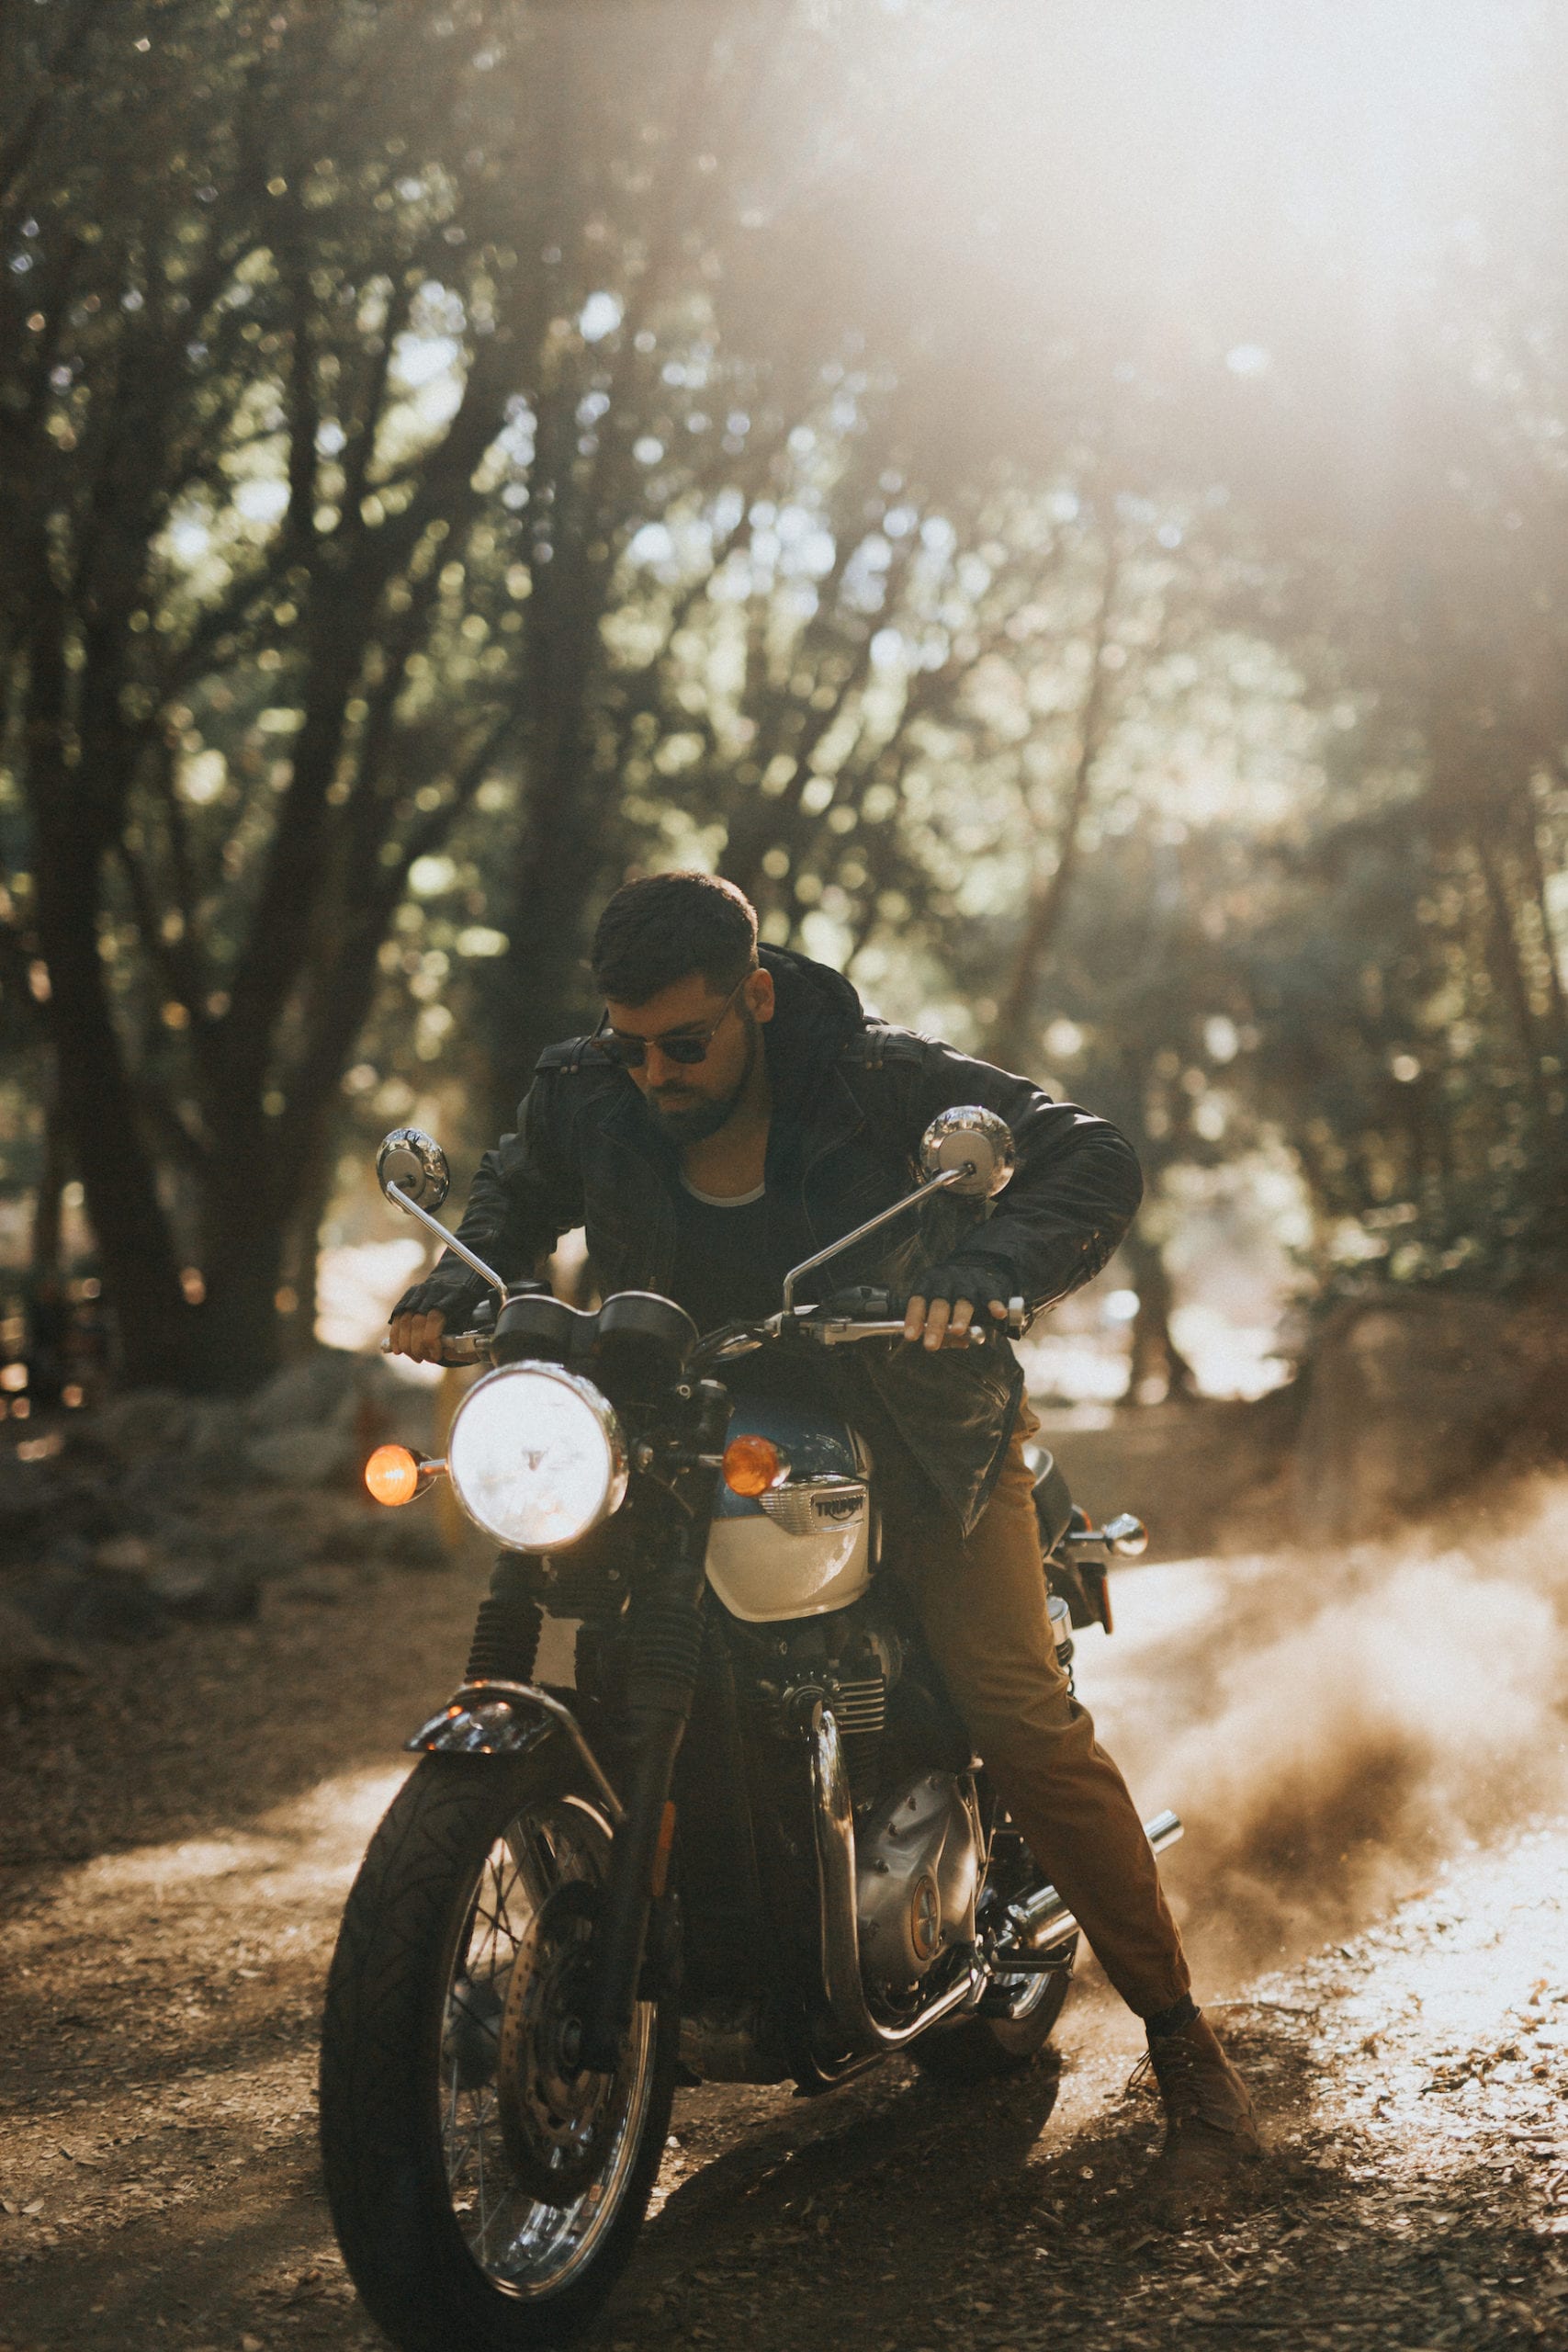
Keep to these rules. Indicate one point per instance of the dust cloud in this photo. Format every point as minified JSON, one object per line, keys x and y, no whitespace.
{"x":1332,"y":1727}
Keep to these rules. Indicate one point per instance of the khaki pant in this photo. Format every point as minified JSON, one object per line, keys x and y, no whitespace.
{"x":982,"y":1604}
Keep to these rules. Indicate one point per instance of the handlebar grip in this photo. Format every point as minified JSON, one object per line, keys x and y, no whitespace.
{"x":457,"y":1348}
{"x":893,"y":1329}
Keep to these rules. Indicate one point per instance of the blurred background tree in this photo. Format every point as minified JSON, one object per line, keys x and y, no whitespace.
{"x":1073,"y":528}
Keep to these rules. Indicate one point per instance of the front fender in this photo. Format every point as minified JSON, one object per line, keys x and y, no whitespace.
{"x":509,"y":1719}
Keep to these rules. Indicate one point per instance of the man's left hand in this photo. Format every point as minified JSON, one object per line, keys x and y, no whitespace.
{"x":948,"y":1305}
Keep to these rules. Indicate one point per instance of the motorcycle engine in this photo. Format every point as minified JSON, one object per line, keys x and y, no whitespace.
{"x":918,"y":1865}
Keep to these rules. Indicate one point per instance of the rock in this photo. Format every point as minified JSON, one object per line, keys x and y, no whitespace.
{"x":323,"y":1387}
{"x":147,"y":1444}
{"x":207,"y":1593}
{"x":129,"y":1588}
{"x":90,"y":1505}
{"x":318,"y":1422}
{"x":123,"y":1556}
{"x":31,"y":1495}
{"x":304,"y":1457}
{"x":144,"y":1421}
{"x":151,"y":1489}
{"x":67,"y":1605}
{"x":31,"y":1660}
{"x":217,"y":1432}
{"x":68,"y":1552}
{"x":260,"y":1552}
{"x":216,"y":1580}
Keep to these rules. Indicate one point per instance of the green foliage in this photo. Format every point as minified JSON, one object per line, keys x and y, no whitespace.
{"x":348,"y":354}
{"x":450,"y":456}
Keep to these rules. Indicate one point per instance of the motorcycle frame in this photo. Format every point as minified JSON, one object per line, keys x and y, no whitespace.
{"x":826,"y":2028}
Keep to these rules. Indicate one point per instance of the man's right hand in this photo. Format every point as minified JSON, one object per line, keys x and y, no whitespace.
{"x":418,"y":1336}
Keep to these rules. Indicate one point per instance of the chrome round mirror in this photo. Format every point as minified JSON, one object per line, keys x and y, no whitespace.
{"x":973,"y":1136}
{"x":416,"y":1164}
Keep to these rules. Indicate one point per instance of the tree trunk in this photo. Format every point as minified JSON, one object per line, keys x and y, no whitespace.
{"x":540,"y":988}
{"x":1157,"y":1361}
{"x":1508,"y":979}
{"x":97,"y":1110}
{"x":302,"y":1258}
{"x":53,"y":1165}
{"x":1009,"y":1042}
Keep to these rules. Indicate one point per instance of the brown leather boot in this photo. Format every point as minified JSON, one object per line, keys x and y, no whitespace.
{"x":1211,"y":2130}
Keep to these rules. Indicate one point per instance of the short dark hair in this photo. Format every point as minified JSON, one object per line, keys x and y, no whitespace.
{"x":657,"y":930}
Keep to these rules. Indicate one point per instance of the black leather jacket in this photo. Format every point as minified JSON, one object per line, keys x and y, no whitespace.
{"x":852,"y":1099}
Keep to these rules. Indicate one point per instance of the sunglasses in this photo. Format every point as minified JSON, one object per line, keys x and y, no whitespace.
{"x":686,"y":1045}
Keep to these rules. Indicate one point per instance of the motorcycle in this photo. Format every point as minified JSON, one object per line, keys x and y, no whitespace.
{"x":751,"y":1844}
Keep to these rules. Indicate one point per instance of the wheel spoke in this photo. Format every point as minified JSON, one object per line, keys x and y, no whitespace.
{"x":530,"y":2244}
{"x":484,"y":2214}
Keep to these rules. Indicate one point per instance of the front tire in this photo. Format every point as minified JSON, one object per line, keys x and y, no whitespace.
{"x":486,"y":2192}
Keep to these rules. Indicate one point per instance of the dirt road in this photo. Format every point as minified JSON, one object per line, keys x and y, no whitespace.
{"x":158,"y":2177}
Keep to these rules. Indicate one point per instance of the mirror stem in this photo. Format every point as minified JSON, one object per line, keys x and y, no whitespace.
{"x":948,"y":1176}
{"x":467,"y":1255}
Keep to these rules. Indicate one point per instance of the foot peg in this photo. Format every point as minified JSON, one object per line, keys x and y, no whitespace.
{"x":1020,"y":1960}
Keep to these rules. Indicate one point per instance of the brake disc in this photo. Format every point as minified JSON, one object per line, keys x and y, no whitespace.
{"x":557,"y":2115}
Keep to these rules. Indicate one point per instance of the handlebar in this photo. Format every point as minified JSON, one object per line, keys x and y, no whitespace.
{"x":460,"y":1348}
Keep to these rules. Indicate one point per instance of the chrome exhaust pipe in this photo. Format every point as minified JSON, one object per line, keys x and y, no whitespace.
{"x":834,"y":1821}
{"x":1044,"y":1916}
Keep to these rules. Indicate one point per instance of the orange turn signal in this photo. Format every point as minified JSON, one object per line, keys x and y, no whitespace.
{"x":392,"y":1474}
{"x":752,"y":1465}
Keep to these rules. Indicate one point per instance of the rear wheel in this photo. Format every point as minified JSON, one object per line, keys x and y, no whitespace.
{"x":1003,"y":2040}
{"x":486,"y":2190}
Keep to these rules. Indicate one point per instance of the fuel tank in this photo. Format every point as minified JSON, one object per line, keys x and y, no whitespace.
{"x":809,"y":1545}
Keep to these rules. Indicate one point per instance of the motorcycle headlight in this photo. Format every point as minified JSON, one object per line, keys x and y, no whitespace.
{"x":536,"y":1456}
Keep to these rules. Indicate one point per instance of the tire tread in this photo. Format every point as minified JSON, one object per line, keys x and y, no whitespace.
{"x":412,"y":2274}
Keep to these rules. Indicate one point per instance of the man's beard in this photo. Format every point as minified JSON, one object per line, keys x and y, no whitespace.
{"x":706,"y":1118}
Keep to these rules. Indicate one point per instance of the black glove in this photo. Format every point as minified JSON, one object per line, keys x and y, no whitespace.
{"x":456,"y":1301}
{"x":976,"y":1277}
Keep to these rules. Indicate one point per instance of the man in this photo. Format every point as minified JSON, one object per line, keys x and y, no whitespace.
{"x":735,"y":1112}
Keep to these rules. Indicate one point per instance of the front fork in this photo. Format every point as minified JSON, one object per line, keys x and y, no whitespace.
{"x":665,"y":1642}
